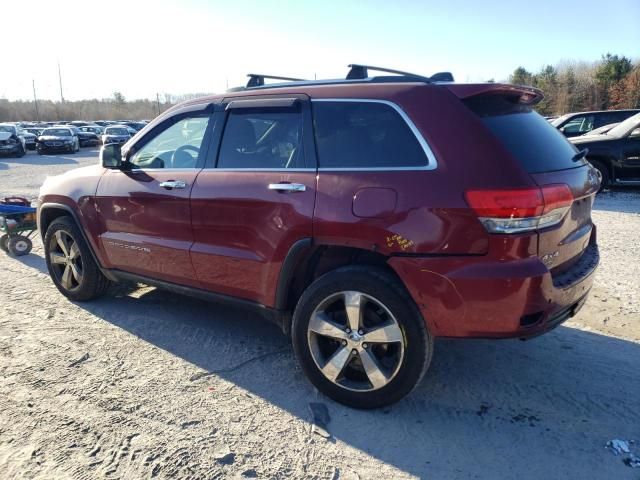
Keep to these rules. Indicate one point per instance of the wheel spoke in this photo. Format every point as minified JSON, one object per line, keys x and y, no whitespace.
{"x":61,"y":239}
{"x":57,"y":258}
{"x":322,"y":325}
{"x":389,"y":334}
{"x":353,"y":302}
{"x":336,"y":363}
{"x":76,"y":272}
{"x":74,"y":251}
{"x":375,"y":375}
{"x":66,"y":277}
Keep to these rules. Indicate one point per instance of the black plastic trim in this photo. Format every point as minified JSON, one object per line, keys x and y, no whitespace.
{"x":286,"y":272}
{"x":267,"y":312}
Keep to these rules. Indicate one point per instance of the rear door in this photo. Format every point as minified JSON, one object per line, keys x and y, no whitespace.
{"x":550,"y":160}
{"x":631,"y":157}
{"x":145,"y":210}
{"x":256,"y":199}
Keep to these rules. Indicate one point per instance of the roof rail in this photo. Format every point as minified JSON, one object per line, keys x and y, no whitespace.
{"x":360,"y":72}
{"x":257,"y":79}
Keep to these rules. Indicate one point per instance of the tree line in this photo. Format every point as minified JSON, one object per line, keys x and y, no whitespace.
{"x":612,"y":83}
{"x":116,"y":107}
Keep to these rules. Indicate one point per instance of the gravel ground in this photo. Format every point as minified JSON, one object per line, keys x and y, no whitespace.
{"x":115,"y":388}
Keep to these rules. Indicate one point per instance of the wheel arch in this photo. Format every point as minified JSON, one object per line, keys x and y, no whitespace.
{"x":48,"y":212}
{"x":307,"y":261}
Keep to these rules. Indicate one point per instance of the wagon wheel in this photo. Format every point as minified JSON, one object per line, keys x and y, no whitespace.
{"x":4,"y":242}
{"x":19,"y":245}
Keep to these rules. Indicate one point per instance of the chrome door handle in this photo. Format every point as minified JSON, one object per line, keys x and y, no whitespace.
{"x":287,"y":187}
{"x":170,"y":184}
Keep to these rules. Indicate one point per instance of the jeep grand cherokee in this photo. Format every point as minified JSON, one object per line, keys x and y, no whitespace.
{"x":365,"y":216}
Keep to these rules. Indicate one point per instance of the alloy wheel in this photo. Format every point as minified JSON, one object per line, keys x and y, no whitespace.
{"x":356,"y":341}
{"x":66,"y":260}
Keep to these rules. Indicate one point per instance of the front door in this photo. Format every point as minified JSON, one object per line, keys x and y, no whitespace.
{"x":145,"y":209}
{"x":631,"y":157}
{"x":257,"y":201}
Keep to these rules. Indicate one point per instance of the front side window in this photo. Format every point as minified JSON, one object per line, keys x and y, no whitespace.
{"x":579,"y":125}
{"x":262,"y":138}
{"x":177,"y":146}
{"x":357,"y":134}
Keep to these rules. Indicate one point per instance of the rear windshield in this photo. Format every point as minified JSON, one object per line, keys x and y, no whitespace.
{"x":532,"y":140}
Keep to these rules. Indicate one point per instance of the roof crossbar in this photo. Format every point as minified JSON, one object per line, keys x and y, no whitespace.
{"x":360,"y":72}
{"x":257,"y":79}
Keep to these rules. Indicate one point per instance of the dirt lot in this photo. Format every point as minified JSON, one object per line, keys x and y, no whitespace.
{"x":111,"y":389}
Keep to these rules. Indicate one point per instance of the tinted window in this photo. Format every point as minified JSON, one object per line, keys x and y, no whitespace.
{"x":364,"y":135}
{"x":532,"y":140}
{"x":177,"y":146}
{"x":262,"y":138}
{"x":581,"y":124}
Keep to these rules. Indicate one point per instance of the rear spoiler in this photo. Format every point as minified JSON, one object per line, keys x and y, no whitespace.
{"x":526,"y":95}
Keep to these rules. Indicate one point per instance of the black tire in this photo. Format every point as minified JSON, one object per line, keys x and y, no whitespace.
{"x":386,"y":289}
{"x":22,"y":152}
{"x":19,"y":245}
{"x":92,"y":283}
{"x":606,"y":178}
{"x":4,"y":243}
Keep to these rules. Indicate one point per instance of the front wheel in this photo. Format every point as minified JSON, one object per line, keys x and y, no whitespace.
{"x":70,"y":263}
{"x":359,"y":337}
{"x":21,"y":153}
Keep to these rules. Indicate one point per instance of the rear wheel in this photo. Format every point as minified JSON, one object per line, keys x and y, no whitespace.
{"x":604,"y":174}
{"x":359,"y":337}
{"x":71,"y":265}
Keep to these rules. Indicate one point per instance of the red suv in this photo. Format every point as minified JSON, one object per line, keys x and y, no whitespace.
{"x":365,"y":216}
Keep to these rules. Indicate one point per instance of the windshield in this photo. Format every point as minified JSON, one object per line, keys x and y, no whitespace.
{"x":624,"y":128}
{"x":6,"y":128}
{"x":56,"y":132}
{"x":559,"y":120}
{"x":116,"y":131}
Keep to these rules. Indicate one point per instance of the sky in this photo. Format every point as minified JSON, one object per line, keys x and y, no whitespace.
{"x":141,"y":47}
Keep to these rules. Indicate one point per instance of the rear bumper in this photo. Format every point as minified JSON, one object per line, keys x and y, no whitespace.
{"x":481,"y":298}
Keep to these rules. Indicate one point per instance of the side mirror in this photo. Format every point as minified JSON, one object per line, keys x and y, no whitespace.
{"x":635,"y":132}
{"x":111,"y":156}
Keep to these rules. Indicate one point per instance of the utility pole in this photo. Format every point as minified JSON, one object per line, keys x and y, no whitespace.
{"x":60,"y":80}
{"x":35,"y":99}
{"x":158,"y":102}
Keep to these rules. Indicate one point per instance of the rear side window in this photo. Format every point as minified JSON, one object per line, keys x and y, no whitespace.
{"x":262,"y":138}
{"x":534,"y":142}
{"x":356,"y":134}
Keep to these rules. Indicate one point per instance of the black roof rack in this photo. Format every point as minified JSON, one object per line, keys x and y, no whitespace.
{"x":357,"y":73}
{"x":257,"y":79}
{"x":360,"y":72}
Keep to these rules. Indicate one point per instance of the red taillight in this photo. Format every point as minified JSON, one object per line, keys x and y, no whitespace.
{"x":556,"y":196}
{"x":520,"y":203}
{"x":520,"y":210}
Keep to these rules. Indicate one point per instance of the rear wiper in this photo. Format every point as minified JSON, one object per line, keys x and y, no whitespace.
{"x":580,"y":155}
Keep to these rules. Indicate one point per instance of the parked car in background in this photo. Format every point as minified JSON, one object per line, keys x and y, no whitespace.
{"x":86,"y":139}
{"x":116,"y":134}
{"x":29,"y":140}
{"x":574,"y":124}
{"x":35,"y":130}
{"x":136,"y":126}
{"x":616,"y":154}
{"x":12,"y":141}
{"x":95,"y":129}
{"x":58,"y":139}
{"x":306,"y":202}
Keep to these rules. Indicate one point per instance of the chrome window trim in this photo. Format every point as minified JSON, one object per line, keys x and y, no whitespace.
{"x":432,"y":162}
